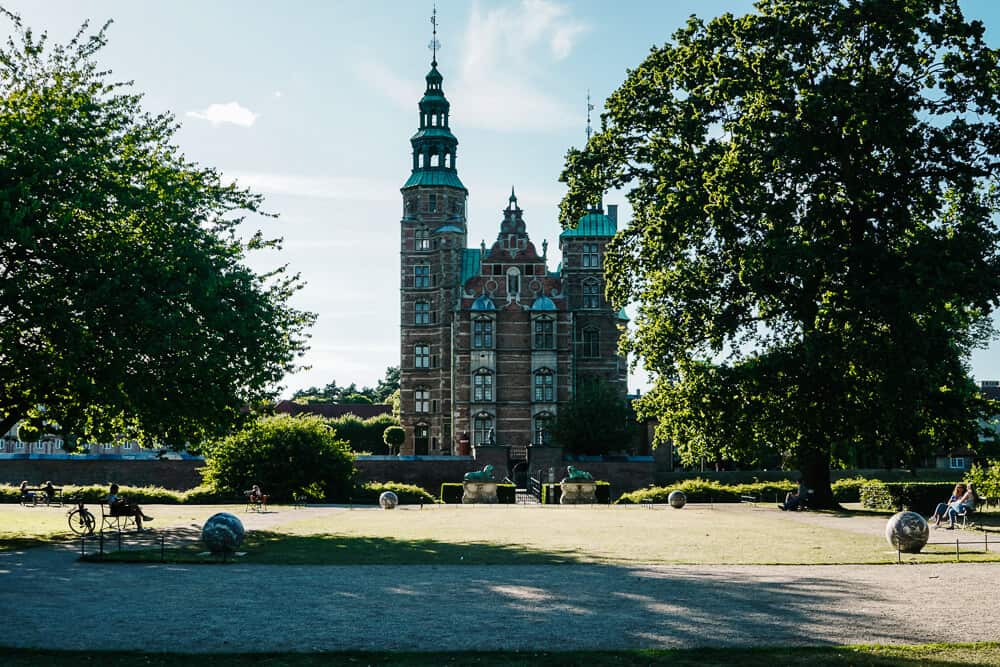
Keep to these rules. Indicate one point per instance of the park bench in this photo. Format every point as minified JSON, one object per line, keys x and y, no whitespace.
{"x":255,"y":503}
{"x":39,"y":497}
{"x":117,"y":522}
{"x":749,"y":499}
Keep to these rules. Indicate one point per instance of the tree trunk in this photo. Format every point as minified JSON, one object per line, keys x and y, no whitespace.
{"x":816,"y":479}
{"x":8,"y":422}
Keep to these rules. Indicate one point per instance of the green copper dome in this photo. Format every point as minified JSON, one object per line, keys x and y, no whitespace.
{"x":594,"y":223}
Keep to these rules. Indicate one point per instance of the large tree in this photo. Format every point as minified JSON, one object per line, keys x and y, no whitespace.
{"x":126,"y":306}
{"x":814,"y":250}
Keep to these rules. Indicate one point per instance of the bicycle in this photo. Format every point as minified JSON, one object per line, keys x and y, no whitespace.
{"x":81,"y":520}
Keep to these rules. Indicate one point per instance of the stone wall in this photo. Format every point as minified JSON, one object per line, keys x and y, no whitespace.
{"x":177,"y":475}
{"x":426,"y":472}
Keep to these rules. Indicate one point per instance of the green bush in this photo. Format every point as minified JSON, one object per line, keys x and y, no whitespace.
{"x":552,"y":493}
{"x":986,"y":480}
{"x":703,"y":491}
{"x":408,"y":494}
{"x":848,"y":490}
{"x":394,"y":437}
{"x":363,"y":435}
{"x":451,"y":493}
{"x":286,"y":456}
{"x":920,"y":497}
{"x":28,"y":433}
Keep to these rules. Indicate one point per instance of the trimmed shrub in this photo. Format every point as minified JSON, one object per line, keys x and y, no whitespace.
{"x":363,"y":435}
{"x":286,"y":456}
{"x":394,"y":437}
{"x":552,"y":493}
{"x":703,"y":491}
{"x":451,"y":493}
{"x":920,"y":497}
{"x":408,"y":494}
{"x":848,"y":490}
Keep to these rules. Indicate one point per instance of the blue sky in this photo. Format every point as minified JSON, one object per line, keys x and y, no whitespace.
{"x":313,"y":104}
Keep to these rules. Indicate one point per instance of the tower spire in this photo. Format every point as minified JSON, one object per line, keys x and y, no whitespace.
{"x":590,"y":107}
{"x":435,"y":44}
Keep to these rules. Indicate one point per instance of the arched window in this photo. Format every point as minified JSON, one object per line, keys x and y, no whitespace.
{"x":482,"y":333}
{"x":545,"y":333}
{"x":421,"y":355}
{"x":421,"y":399}
{"x":482,"y":431}
{"x":544,"y":386}
{"x":543,"y":428}
{"x":423,"y":240}
{"x":591,"y":294}
{"x":513,"y":281}
{"x":591,"y":343}
{"x":422,"y":312}
{"x":482,"y":386}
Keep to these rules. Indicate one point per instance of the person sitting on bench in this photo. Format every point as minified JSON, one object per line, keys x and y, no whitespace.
{"x":257,"y":496}
{"x":795,"y":500}
{"x":121,"y":507}
{"x":49,"y":491}
{"x":959,"y":496}
{"x":26,"y":496}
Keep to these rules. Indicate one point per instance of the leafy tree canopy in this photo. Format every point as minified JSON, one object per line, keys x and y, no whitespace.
{"x":126,"y":307}
{"x":598,"y":420}
{"x":333,"y":393}
{"x":814,"y":250}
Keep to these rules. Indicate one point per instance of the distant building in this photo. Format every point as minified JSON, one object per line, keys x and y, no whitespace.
{"x":492,"y":342}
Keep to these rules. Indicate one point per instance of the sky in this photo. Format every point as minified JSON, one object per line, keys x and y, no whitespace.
{"x":312,"y":104}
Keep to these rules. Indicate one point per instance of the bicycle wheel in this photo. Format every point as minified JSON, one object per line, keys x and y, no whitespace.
{"x":81,"y":522}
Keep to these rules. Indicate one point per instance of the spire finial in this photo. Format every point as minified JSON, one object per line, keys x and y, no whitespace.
{"x":590,"y":107}
{"x":435,"y":44}
{"x":513,"y":197}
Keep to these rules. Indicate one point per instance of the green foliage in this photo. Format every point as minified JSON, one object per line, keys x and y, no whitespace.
{"x":814,"y":241}
{"x":552,"y":493}
{"x":408,"y":494}
{"x":919,"y":497}
{"x":28,"y":433}
{"x":333,"y":393}
{"x":451,"y":493}
{"x":597,"y":420}
{"x":127,"y":303}
{"x":363,"y":435}
{"x":394,"y":437}
{"x":94,"y":493}
{"x":985,"y":479}
{"x":286,"y":456}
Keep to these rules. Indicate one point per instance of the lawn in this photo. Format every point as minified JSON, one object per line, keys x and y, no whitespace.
{"x":931,"y":655}
{"x":443,"y":535}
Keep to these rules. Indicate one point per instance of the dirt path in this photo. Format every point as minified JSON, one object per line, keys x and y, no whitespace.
{"x":309,"y":608}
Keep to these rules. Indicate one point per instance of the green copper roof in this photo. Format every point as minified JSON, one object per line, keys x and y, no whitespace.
{"x":433,"y":132}
{"x":622,"y":316}
{"x":448,"y":229}
{"x":592,"y":224}
{"x":434,"y":177}
{"x":470,"y":264}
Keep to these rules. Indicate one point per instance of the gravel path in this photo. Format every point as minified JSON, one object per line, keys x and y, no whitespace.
{"x":311,"y":608}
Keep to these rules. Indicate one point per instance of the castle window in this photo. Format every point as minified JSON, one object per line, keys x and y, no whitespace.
{"x":421,"y":312}
{"x":423,"y":240}
{"x":421,"y":356}
{"x":544,"y":386}
{"x":483,"y":429}
{"x":591,"y":343}
{"x":591,"y":294}
{"x":421,"y":434}
{"x":591,"y":256}
{"x":421,"y":276}
{"x":482,"y":333}
{"x":513,"y":281}
{"x":545,"y":337}
{"x":421,"y":399}
{"x":543,"y":428}
{"x":432,"y":200}
{"x":482,"y":386}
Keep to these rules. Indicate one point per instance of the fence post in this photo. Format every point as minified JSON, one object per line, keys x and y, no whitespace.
{"x":958,"y":553}
{"x":899,"y":555}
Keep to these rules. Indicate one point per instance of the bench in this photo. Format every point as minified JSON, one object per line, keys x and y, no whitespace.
{"x":255,"y":503}
{"x":749,"y":500}
{"x":963,"y":517}
{"x":299,"y":500}
{"x":117,"y":522}
{"x":37,"y":495}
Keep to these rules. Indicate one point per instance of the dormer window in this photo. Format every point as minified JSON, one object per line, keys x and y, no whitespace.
{"x":513,"y":281}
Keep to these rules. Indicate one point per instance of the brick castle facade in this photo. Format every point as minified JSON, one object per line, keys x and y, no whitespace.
{"x":491,"y":341}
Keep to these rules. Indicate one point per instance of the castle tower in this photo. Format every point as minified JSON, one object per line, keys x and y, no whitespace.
{"x":433,"y":239}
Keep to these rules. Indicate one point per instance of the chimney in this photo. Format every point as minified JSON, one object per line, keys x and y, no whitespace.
{"x":613,"y":212}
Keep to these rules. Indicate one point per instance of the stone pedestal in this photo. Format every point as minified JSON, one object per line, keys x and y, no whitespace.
{"x":578,"y":493}
{"x":479,"y":492}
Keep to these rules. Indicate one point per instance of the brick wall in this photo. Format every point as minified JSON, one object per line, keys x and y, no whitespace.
{"x":428,"y":474}
{"x":177,"y":475}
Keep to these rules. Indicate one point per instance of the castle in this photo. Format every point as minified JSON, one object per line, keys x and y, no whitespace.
{"x":491,"y":341}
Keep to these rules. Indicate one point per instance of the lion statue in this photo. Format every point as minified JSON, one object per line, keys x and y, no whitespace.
{"x":484,"y":475}
{"x":576,"y":475}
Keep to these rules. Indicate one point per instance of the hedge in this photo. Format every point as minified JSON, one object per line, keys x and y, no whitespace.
{"x":408,"y":494}
{"x":920,"y":497}
{"x":451,"y":493}
{"x":200,"y":495}
{"x":552,"y":493}
{"x":702,"y":491}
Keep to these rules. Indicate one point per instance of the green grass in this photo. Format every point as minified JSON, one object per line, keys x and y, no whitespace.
{"x":931,"y":655}
{"x":455,"y":535}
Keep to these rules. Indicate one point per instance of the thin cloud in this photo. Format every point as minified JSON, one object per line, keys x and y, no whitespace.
{"x":317,"y":187}
{"x":232,"y":113}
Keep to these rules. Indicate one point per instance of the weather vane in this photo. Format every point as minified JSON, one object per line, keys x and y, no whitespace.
{"x":590,"y":107}
{"x":435,"y":44}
